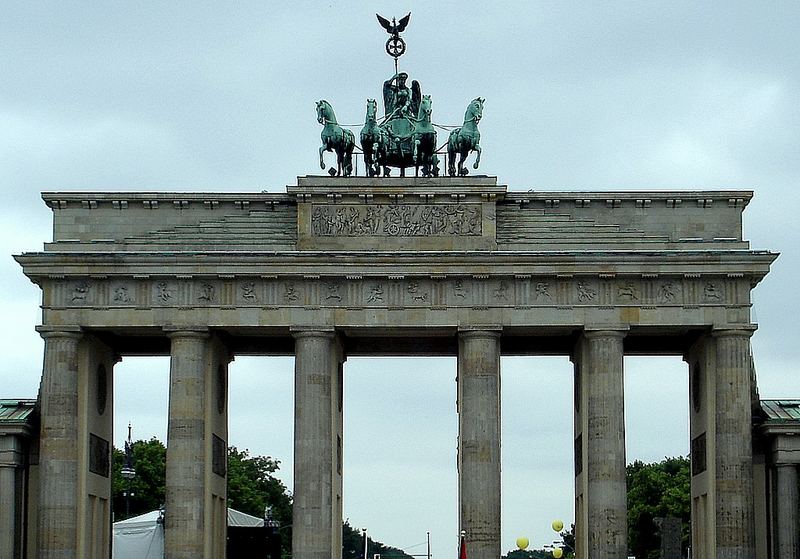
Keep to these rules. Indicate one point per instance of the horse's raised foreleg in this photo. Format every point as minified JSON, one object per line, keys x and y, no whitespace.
{"x":477,"y":159}
{"x":321,"y":162}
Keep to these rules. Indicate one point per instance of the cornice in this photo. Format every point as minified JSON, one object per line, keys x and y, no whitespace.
{"x":624,"y":261}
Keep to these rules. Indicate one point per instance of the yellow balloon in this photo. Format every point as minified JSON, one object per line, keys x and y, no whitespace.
{"x":557,"y":525}
{"x":522,"y":543}
{"x":558,"y":553}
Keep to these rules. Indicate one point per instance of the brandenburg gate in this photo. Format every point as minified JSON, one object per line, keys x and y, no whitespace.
{"x":340,"y":266}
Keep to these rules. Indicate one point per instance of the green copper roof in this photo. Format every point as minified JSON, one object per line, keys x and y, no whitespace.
{"x":15,"y":411}
{"x":781,"y":410}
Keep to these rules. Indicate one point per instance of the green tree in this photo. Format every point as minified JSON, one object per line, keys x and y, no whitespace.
{"x":568,"y":537}
{"x":252,"y":487}
{"x":656,"y":490}
{"x":251,"y":483}
{"x":147,"y":488}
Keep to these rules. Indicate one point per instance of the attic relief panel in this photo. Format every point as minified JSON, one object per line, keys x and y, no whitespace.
{"x":396,"y":220}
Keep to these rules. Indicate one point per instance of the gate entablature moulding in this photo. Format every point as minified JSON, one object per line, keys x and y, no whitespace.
{"x":355,"y":250}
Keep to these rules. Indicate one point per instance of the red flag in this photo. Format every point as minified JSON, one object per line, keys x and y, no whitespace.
{"x":462,"y":554}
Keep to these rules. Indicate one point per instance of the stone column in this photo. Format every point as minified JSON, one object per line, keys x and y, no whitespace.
{"x":11,"y":462}
{"x":479,"y":441}
{"x":606,"y":493}
{"x":58,"y":450}
{"x":317,"y":510}
{"x":185,"y":508}
{"x":735,"y":524}
{"x":786,"y":511}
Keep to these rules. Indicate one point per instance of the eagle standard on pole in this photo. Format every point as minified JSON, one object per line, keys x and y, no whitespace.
{"x":395,"y":45}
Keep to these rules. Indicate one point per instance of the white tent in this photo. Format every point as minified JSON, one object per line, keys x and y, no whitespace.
{"x":142,"y":537}
{"x":243,"y":520}
{"x":139,"y":537}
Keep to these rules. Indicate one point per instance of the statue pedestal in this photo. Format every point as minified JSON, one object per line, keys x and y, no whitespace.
{"x":392,"y":213}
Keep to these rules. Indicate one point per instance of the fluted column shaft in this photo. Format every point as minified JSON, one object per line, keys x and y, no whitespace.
{"x":58,"y":451}
{"x":11,"y":462}
{"x":8,"y":512}
{"x":605,"y":444}
{"x":735,"y":524}
{"x":786,"y":510}
{"x":185,"y":475}
{"x":479,"y":441}
{"x":317,"y":512}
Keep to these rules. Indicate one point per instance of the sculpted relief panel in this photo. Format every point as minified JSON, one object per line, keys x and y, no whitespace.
{"x":475,"y":291}
{"x":396,"y":220}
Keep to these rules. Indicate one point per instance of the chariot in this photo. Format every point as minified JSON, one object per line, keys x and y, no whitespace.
{"x":405,"y":137}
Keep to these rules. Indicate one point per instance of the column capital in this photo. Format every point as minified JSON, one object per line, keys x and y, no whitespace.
{"x":11,"y":451}
{"x":786,"y":447}
{"x":65,"y":331}
{"x":733,"y":330}
{"x":173,"y":331}
{"x":312,"y":332}
{"x":480,"y":331}
{"x":605,"y":330}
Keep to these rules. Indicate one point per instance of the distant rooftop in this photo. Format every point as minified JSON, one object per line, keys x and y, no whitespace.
{"x":780,"y":411}
{"x":16,"y":411}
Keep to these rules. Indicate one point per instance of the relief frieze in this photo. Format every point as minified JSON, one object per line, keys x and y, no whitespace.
{"x":586,"y":292}
{"x":121,"y":295}
{"x":207,"y":293}
{"x":396,"y":220}
{"x":542,"y":292}
{"x":163,"y":292}
{"x":668,"y":292}
{"x":80,"y":292}
{"x":248,"y":291}
{"x":712,"y":292}
{"x":474,"y":291}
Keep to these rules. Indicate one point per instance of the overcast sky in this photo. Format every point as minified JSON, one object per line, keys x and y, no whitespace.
{"x":201,"y":96}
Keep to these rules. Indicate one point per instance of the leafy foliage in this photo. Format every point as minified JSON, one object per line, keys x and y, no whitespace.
{"x":568,"y":537}
{"x":656,"y":490}
{"x":147,"y":488}
{"x":252,"y":486}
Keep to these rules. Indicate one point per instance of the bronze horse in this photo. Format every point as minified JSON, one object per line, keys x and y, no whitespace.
{"x":465,"y":139}
{"x":335,"y":138}
{"x":425,"y":141}
{"x":372,"y":141}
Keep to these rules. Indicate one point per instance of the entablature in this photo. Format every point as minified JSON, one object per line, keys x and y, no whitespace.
{"x":357,"y":213}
